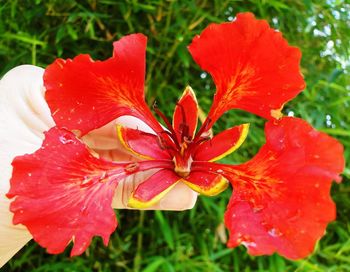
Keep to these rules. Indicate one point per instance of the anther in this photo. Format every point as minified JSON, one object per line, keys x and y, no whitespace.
{"x":131,"y":167}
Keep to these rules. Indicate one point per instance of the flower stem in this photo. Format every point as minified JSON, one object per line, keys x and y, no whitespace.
{"x":138,"y":256}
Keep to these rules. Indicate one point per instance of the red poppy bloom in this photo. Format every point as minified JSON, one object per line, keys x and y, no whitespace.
{"x":280,"y":200}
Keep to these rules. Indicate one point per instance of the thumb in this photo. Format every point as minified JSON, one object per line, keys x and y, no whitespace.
{"x":24,"y":115}
{"x":179,"y":198}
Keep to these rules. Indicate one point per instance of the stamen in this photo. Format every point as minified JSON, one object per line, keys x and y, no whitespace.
{"x":183,"y":126}
{"x":164,"y":146}
{"x":193,"y":146}
{"x":145,"y":133}
{"x":162,"y":143}
{"x":172,"y":133}
{"x":183,"y":112}
{"x":184,"y":131}
{"x":183,"y":148}
{"x":203,"y":129}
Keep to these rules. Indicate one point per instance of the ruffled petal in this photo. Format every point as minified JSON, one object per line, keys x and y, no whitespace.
{"x":253,"y":67}
{"x":281,"y":200}
{"x":62,"y":191}
{"x":222,"y":144}
{"x":84,"y":94}
{"x":141,"y":144}
{"x":185,"y":116}
{"x":206,"y":183}
{"x":153,"y":189}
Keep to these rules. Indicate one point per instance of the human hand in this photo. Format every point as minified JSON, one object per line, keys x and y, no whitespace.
{"x":24,"y":116}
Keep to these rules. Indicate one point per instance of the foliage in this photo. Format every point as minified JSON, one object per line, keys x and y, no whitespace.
{"x":38,"y":31}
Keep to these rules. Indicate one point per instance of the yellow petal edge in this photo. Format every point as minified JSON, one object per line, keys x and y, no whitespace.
{"x":240,"y":141}
{"x":139,"y":204}
{"x":127,"y":147}
{"x":216,"y":189}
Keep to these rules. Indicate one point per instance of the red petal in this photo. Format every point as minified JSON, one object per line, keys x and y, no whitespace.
{"x":63,"y":194}
{"x":153,"y":189}
{"x":143,"y":145}
{"x":186,"y":115}
{"x":84,"y":95}
{"x":281,"y":198}
{"x":206,"y":183}
{"x":222,"y":144}
{"x":253,"y":67}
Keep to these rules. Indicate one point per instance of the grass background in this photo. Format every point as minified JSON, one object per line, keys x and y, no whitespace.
{"x":38,"y":31}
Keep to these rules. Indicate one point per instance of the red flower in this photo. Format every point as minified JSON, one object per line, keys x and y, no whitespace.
{"x":280,"y":201}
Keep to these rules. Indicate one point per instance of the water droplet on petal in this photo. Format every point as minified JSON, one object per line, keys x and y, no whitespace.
{"x":275,"y":232}
{"x":86,"y":180}
{"x":248,"y":244}
{"x":64,"y":140}
{"x":83,"y":209}
{"x":257,"y":208}
{"x":103,"y":176}
{"x":131,"y":167}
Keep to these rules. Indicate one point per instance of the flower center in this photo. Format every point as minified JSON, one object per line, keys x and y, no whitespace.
{"x":182,"y":166}
{"x":180,"y":148}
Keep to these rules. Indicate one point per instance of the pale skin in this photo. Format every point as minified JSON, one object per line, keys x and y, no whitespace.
{"x":24,"y":116}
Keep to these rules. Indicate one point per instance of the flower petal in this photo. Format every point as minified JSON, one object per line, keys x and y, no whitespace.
{"x":253,"y":67}
{"x":186,"y":115}
{"x":206,"y":183}
{"x":281,"y":200}
{"x":222,"y":144}
{"x":84,"y":94}
{"x":63,"y":191}
{"x":153,"y":189}
{"x":141,"y":144}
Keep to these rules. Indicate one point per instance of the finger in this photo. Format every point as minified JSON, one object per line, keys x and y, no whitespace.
{"x":181,"y":197}
{"x":13,"y":238}
{"x":24,"y":116}
{"x":105,"y":138}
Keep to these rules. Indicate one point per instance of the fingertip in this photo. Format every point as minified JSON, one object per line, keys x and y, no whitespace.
{"x":180,"y":198}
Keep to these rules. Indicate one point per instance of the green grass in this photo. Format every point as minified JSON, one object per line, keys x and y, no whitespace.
{"x":38,"y":31}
